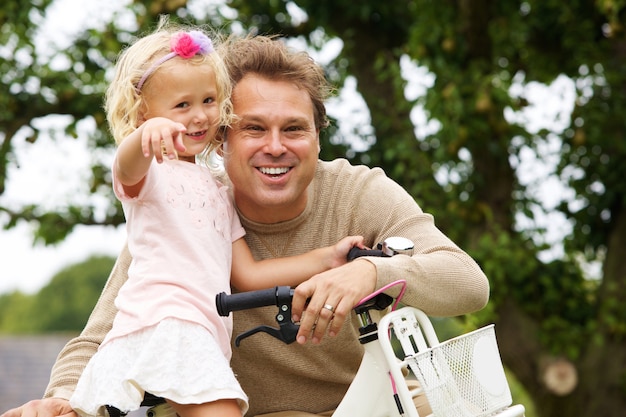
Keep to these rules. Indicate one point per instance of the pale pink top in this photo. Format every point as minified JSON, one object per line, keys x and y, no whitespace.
{"x":180,"y":233}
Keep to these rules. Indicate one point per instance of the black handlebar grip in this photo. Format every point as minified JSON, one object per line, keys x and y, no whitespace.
{"x":250,"y":299}
{"x":357,"y":253}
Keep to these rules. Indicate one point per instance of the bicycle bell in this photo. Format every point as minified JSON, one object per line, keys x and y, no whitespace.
{"x":397,"y":245}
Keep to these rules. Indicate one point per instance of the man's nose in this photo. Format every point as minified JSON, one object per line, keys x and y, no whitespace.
{"x":274,"y":143}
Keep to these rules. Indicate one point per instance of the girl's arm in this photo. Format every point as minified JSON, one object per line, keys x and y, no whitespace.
{"x":136,"y":151}
{"x":247,"y":274}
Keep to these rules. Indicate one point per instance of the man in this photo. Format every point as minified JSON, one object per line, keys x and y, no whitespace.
{"x":290,"y":202}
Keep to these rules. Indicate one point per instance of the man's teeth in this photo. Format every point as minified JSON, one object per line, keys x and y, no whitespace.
{"x":273,"y":171}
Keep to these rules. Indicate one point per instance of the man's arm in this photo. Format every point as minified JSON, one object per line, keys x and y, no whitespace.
{"x":74,"y":356}
{"x":441,"y":279}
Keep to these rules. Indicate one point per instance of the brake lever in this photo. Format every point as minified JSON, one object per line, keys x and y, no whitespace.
{"x":286,"y":333}
{"x":287,"y":330}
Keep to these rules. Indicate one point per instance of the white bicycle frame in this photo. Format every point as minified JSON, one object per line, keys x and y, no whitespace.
{"x":371,"y":393}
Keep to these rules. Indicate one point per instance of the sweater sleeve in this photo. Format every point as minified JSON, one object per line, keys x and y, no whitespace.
{"x":441,"y":278}
{"x":74,"y":356}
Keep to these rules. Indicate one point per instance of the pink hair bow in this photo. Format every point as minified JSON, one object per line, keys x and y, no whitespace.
{"x":183,"y":44}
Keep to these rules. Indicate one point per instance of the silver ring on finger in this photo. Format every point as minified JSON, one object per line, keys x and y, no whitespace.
{"x":329,"y":308}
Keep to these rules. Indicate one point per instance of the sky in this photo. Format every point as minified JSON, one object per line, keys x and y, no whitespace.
{"x":55,"y":170}
{"x":50,"y":172}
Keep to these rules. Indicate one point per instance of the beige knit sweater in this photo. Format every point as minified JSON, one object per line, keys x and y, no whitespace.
{"x":343,"y":200}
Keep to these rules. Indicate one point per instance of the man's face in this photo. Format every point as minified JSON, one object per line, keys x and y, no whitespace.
{"x":271,"y":151}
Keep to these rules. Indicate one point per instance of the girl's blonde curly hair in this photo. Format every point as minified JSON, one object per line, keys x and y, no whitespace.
{"x":124,"y":102}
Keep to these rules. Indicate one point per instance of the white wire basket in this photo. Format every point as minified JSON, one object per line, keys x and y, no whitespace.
{"x":463,"y":376}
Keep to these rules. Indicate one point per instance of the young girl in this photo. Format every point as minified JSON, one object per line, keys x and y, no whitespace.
{"x":169,"y":96}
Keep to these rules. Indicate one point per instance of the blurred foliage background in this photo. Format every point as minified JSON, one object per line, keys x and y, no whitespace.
{"x":459,"y":146}
{"x":63,"y":305}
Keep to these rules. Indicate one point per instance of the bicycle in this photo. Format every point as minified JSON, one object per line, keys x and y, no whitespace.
{"x":461,"y":377}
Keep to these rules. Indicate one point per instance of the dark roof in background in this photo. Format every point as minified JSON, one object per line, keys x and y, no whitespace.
{"x":25,"y":363}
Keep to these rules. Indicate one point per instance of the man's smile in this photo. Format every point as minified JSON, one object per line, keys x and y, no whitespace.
{"x":274,"y":170}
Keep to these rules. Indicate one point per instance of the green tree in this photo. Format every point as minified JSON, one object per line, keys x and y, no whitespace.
{"x":546,"y":313}
{"x":64,"y":304}
{"x":16,"y":313}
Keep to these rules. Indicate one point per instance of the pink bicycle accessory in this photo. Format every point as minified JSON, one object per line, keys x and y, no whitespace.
{"x":183,"y":44}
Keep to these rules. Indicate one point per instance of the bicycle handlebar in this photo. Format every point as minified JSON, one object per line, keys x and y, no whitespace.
{"x":272,"y":296}
{"x":246,"y":300}
{"x":281,"y":296}
{"x":227,"y":303}
{"x":357,"y":253}
{"x":278,"y":296}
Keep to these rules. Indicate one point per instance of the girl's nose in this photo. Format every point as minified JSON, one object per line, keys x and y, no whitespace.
{"x":200,"y":116}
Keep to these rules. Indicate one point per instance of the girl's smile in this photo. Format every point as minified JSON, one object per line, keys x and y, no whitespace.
{"x":200,"y":135}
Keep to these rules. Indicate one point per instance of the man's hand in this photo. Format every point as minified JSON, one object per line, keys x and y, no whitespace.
{"x":332,"y":295}
{"x":48,"y":407}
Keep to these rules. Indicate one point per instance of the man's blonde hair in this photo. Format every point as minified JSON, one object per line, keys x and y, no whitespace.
{"x":124,"y":102}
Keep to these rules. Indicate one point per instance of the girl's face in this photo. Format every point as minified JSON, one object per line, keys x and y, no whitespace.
{"x":187,"y":94}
